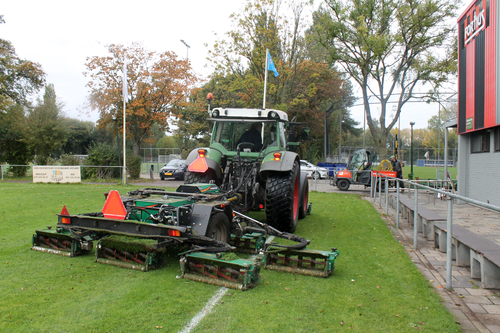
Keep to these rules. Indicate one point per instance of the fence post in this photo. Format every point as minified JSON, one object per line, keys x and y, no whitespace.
{"x":415,"y":218}
{"x":397,"y":205}
{"x":379,"y":181}
{"x":386,"y":197}
{"x":449,"y":243}
{"x":372,"y":187}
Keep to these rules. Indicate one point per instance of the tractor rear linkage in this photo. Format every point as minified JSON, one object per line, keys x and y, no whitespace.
{"x":154,"y":221}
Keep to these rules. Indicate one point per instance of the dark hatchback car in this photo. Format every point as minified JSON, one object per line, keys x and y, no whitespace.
{"x":174,"y":169}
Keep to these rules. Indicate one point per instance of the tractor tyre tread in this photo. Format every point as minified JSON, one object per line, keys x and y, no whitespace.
{"x":280,"y":187}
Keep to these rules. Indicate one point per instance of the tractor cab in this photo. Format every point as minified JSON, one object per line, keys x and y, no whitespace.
{"x":360,"y":160}
{"x":360,"y":163}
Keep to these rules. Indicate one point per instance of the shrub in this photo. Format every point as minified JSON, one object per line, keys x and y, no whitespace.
{"x":134,"y":166}
{"x":101,"y":155}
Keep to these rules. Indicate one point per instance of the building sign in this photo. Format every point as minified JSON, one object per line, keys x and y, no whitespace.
{"x":478,"y":86}
{"x":469,"y":123}
{"x":56,"y":174}
{"x":475,"y":21}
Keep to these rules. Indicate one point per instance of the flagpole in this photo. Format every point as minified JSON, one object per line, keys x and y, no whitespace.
{"x":265,"y":78}
{"x":125,"y":96}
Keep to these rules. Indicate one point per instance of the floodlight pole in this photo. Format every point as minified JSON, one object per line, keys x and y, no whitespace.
{"x":187,"y":48}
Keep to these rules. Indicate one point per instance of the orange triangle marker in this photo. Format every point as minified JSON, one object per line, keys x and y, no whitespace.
{"x":113,"y":207}
{"x":199,"y":165}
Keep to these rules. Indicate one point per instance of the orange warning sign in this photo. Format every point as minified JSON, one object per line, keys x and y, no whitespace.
{"x":114,"y":208}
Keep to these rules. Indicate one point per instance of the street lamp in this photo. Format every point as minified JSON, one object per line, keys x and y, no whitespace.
{"x":410,"y":176}
{"x":187,"y":48}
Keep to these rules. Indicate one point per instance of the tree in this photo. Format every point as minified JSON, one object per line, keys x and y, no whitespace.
{"x":388,"y":47}
{"x":47,"y":133}
{"x":80,"y":136}
{"x":18,"y":78}
{"x":158,"y":84}
{"x":13,"y":144}
{"x":304,"y":88}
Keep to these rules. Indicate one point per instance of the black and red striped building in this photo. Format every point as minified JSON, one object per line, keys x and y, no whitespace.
{"x":478,"y":120}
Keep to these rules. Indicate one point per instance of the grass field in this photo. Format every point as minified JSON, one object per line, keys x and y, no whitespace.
{"x":428,"y":172}
{"x":375,"y":286}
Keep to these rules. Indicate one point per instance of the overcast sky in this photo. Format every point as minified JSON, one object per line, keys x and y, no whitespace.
{"x":60,"y":35}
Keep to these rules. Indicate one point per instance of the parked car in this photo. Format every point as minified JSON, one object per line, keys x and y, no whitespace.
{"x":312,"y":170}
{"x":174,"y":169}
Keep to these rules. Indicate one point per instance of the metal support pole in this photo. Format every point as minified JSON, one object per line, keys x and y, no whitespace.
{"x":386,"y":197}
{"x":446,"y":154}
{"x":415,"y":217}
{"x":371,"y":187}
{"x":397,"y":205}
{"x":379,"y":181}
{"x":449,"y":244}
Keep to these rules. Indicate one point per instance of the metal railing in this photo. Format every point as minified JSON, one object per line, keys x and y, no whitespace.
{"x":449,"y":196}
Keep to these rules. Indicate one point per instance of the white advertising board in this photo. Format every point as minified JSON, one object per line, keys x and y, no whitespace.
{"x":56,"y":174}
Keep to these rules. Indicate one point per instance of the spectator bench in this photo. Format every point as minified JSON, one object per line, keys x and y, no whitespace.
{"x":425,"y":218}
{"x":481,"y":255}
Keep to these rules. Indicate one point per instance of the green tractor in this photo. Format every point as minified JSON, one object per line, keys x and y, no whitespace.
{"x":251,"y":159}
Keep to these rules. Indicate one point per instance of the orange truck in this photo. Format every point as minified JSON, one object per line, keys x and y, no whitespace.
{"x":359,"y":172}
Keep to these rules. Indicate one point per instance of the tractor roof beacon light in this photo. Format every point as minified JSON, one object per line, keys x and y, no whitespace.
{"x":210,"y":97}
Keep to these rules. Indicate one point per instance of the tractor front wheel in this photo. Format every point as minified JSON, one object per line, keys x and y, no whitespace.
{"x":282,"y":199}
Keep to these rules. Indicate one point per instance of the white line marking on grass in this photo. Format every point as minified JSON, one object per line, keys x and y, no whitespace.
{"x":206,"y":310}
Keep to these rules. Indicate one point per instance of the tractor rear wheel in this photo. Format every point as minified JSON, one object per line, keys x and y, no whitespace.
{"x":343,"y":184}
{"x":305,"y":201}
{"x":218,"y":227}
{"x":196,"y":177}
{"x":282,"y":199}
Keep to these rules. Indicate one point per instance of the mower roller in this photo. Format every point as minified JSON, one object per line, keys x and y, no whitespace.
{"x":197,"y":222}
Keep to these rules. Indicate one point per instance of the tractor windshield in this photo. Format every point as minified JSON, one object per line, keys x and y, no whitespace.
{"x":266,"y":133}
{"x":358,"y":160}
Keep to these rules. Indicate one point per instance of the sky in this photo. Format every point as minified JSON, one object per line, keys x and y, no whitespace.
{"x":60,"y":35}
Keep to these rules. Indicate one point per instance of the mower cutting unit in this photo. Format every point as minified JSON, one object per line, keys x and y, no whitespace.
{"x":197,"y":222}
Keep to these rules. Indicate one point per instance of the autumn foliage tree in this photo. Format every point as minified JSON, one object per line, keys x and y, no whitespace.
{"x":305,"y":88}
{"x":158,"y":84}
{"x":388,"y":47}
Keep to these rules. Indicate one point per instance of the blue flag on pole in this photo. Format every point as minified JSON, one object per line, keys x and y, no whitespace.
{"x":271,"y":67}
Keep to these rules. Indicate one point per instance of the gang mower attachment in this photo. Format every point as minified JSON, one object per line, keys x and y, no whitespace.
{"x":198,"y":223}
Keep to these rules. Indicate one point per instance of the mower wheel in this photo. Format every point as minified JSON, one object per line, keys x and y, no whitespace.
{"x":282,"y":199}
{"x":218,"y":227}
{"x":343,"y":184}
{"x":305,"y":201}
